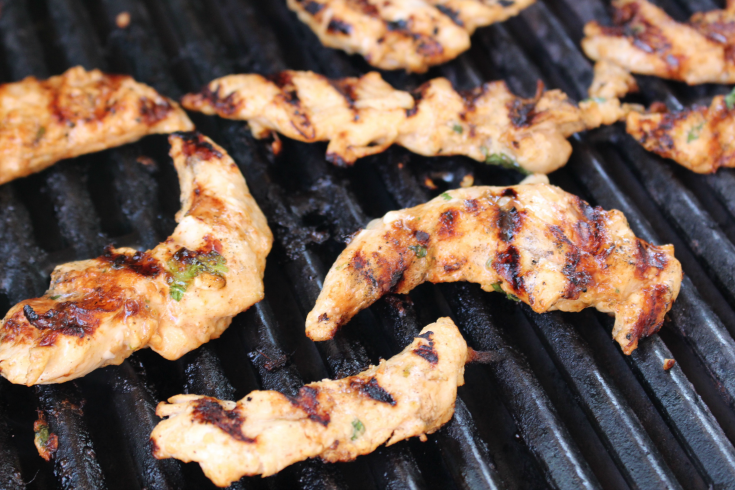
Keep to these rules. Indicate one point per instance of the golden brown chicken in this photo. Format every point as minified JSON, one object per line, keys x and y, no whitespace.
{"x":78,"y":112}
{"x":700,"y":138}
{"x":402,"y":34}
{"x":412,"y":394}
{"x":646,"y":40}
{"x":172,"y":299}
{"x":534,"y":242}
{"x":611,"y":81}
{"x":364,"y":116}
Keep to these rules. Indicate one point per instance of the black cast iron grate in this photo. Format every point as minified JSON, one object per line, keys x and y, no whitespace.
{"x":559,"y":407}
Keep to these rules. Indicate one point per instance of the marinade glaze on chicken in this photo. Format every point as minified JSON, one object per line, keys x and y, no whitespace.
{"x":172,"y":298}
{"x":535,"y":242}
{"x":412,"y":394}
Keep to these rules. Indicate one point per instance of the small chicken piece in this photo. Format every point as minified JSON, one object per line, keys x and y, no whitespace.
{"x":402,"y":34}
{"x":412,"y":394}
{"x":364,"y":116}
{"x":537,"y":243}
{"x":78,"y":112}
{"x":701,"y":138}
{"x":611,"y":81}
{"x":646,"y":40}
{"x":173,"y":298}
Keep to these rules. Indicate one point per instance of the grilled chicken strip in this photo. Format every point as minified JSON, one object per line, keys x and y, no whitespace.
{"x":364,"y":116}
{"x":402,"y":34}
{"x":700,"y":138}
{"x":646,"y":40}
{"x":172,"y":299}
{"x":412,"y":394}
{"x":535,"y":242}
{"x":78,"y":112}
{"x":611,"y":81}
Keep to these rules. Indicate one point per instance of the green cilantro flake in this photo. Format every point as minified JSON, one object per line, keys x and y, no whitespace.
{"x":599,"y":100}
{"x":457,"y":128}
{"x":41,"y":131}
{"x":182,"y":274}
{"x":358,"y":429}
{"x":503,"y":160}
{"x":693,"y":133}
{"x":446,"y":196}
{"x":498,"y":289}
{"x":730,"y":100}
{"x":419,"y":250}
{"x":42,"y":435}
{"x":55,"y":296}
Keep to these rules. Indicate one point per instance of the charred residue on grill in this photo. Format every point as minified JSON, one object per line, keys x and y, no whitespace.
{"x":141,"y":263}
{"x":307,"y":401}
{"x":427,"y":351}
{"x":195,"y":144}
{"x":209,"y":411}
{"x":372,"y":389}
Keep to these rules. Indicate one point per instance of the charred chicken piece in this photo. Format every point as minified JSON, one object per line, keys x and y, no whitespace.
{"x":172,"y":299}
{"x":78,"y":112}
{"x":364,"y":116}
{"x":412,"y":394}
{"x":700,"y":138}
{"x":646,"y":40}
{"x":536,"y":243}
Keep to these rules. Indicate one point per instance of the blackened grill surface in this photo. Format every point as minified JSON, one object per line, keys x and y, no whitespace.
{"x":559,"y":405}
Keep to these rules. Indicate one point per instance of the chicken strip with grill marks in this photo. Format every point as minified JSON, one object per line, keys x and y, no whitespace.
{"x":172,"y":299}
{"x":78,"y":112}
{"x":700,"y":138}
{"x":412,"y":394}
{"x":534,"y":242}
{"x":647,"y":41}
{"x":364,"y":116}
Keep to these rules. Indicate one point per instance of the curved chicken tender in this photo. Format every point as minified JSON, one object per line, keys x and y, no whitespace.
{"x":546,"y":247}
{"x":412,"y":394}
{"x":78,"y":112}
{"x":364,"y":116}
{"x":646,"y":40}
{"x":173,"y":298}
{"x":701,"y":138}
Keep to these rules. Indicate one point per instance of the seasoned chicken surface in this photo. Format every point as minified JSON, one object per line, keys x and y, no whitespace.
{"x":534,"y":242}
{"x":412,"y":394}
{"x":646,"y":40}
{"x":700,"y":138}
{"x":172,"y":299}
{"x":611,"y":81}
{"x":78,"y":112}
{"x":364,"y":116}
{"x":402,"y":34}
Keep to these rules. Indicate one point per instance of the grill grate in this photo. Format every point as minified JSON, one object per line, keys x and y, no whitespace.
{"x":561,"y":406}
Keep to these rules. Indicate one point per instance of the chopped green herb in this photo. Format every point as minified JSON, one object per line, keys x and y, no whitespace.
{"x":181,"y":273}
{"x":358,"y":429}
{"x":599,"y":100}
{"x":39,"y":134}
{"x":42,"y":435}
{"x":498,"y":289}
{"x":693,"y":133}
{"x":446,"y":196}
{"x":55,"y":296}
{"x":730,"y":100}
{"x":617,"y":291}
{"x":457,"y":128}
{"x":638,"y":29}
{"x":503,"y":160}
{"x":489,"y":264}
{"x":419,"y":250}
